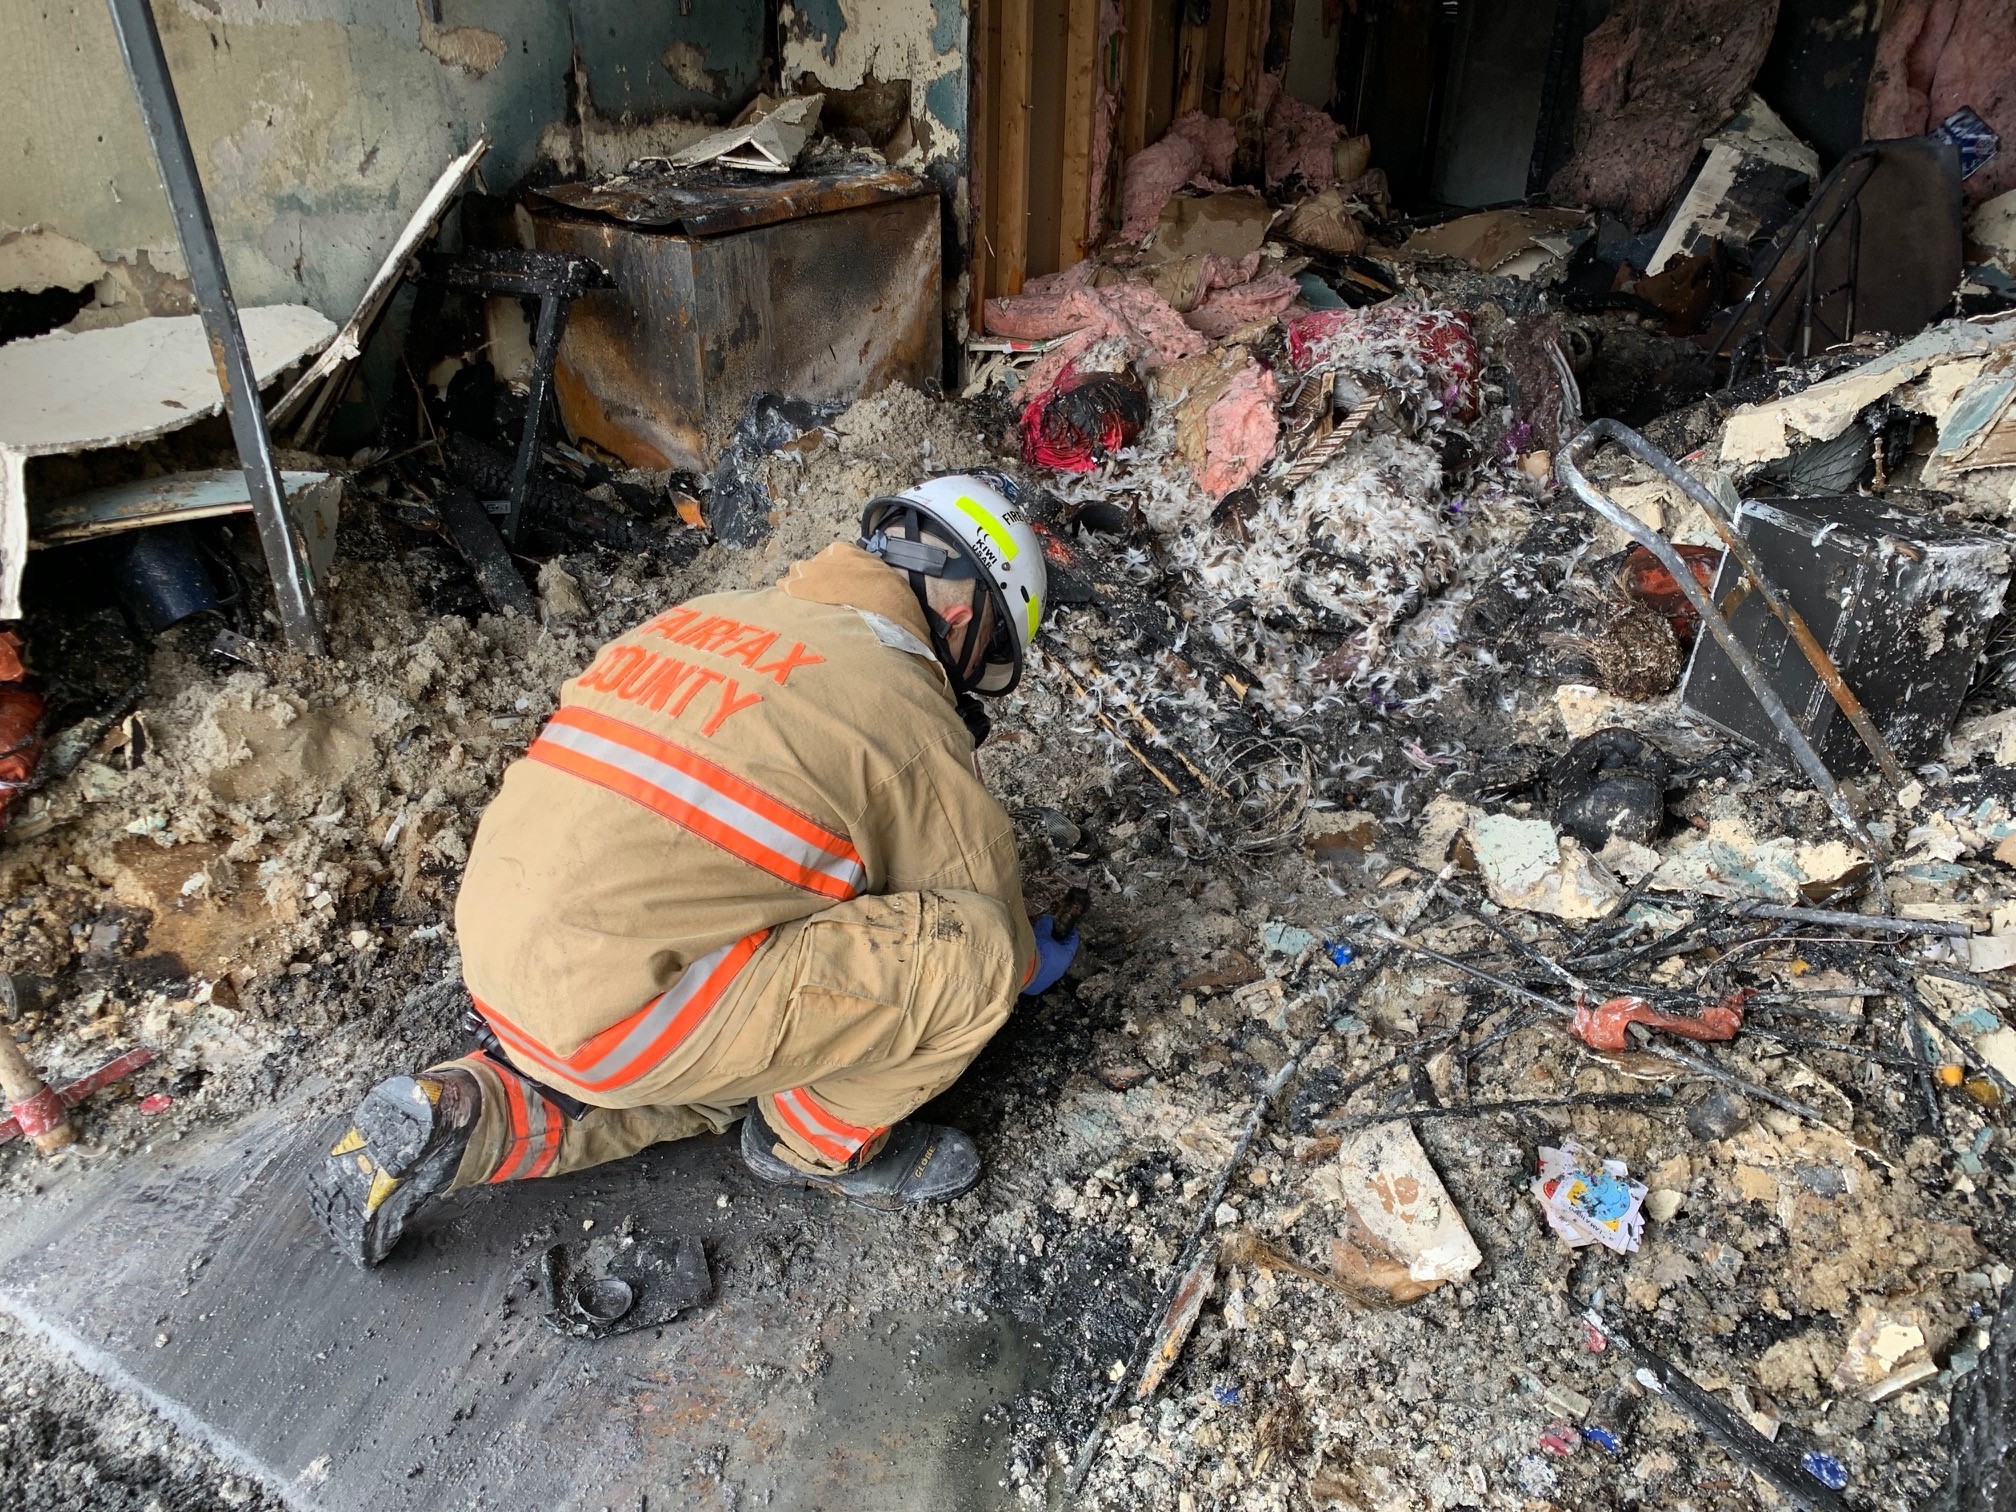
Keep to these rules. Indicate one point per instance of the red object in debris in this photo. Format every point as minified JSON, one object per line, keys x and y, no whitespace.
{"x":1604,"y":1027}
{"x":156,"y":1102}
{"x":1648,"y":581}
{"x":1593,"y":1339}
{"x":1441,"y":339}
{"x":1561,"y":1439}
{"x":1076,"y":425}
{"x":45,"y":1110}
{"x":20,"y":725}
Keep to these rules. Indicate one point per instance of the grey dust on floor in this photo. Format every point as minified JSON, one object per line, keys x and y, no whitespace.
{"x":193,"y":1279}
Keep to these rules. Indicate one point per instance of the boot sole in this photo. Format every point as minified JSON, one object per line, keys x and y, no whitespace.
{"x":363,"y":1193}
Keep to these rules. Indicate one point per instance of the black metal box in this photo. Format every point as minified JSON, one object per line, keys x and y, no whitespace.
{"x":1901,"y":600}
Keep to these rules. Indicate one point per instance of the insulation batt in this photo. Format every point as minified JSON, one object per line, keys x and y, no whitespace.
{"x":1657,"y":77}
{"x":1299,"y":140}
{"x":1225,"y":422}
{"x":1060,"y":304}
{"x":1196,"y":148}
{"x":1225,"y":310}
{"x":1935,"y":56}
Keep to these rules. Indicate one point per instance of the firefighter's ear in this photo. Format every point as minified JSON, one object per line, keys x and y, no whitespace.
{"x":956,"y":615}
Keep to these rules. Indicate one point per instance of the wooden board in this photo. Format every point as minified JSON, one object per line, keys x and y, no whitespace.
{"x":1081,"y":68}
{"x":1011,"y":157}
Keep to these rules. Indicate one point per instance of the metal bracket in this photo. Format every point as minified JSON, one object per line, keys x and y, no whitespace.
{"x":556,"y":280}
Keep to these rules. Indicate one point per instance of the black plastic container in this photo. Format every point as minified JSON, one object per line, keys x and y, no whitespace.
{"x":1902,"y":602}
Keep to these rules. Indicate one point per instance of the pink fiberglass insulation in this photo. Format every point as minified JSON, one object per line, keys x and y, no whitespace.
{"x":1657,"y":77}
{"x":1239,"y":431}
{"x":1061,"y":304}
{"x":1052,"y":305}
{"x":1937,"y":55}
{"x":1151,"y":321}
{"x":1380,"y":340}
{"x":1225,"y":310}
{"x":1300,"y":139}
{"x":1196,"y":147}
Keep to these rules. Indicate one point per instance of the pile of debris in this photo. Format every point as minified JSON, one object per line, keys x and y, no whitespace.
{"x":1547,"y":991}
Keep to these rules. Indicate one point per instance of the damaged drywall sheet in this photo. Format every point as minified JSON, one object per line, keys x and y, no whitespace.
{"x":68,"y":392}
{"x":842,"y":43}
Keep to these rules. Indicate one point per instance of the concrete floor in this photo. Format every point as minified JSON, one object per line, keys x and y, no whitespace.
{"x":195,"y":1276}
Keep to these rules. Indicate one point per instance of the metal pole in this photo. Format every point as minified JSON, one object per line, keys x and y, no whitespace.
{"x":147,"y":66}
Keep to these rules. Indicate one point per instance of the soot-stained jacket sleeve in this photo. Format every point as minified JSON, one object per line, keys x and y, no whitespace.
{"x":940,"y":830}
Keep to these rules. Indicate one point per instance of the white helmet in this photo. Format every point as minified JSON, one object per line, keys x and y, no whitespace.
{"x":981,"y":515}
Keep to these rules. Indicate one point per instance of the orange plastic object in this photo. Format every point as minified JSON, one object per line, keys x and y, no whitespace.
{"x":1647,"y":581}
{"x":1604,"y":1026}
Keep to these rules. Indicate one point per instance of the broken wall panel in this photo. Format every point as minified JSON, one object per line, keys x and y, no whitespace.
{"x":843,"y":44}
{"x":65,"y":393}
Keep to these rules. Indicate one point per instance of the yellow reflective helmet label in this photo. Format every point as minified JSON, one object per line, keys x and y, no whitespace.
{"x":996,"y":531}
{"x":1035,"y":615}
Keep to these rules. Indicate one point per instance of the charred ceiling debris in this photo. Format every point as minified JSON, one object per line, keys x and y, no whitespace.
{"x":1532,"y":722}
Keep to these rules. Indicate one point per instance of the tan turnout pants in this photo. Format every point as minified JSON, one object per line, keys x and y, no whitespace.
{"x":843,"y":1023}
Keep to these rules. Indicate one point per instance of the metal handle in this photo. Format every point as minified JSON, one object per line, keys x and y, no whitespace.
{"x":1568,"y":468}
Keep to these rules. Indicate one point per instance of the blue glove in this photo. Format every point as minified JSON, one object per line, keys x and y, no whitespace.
{"x":1053,"y":956}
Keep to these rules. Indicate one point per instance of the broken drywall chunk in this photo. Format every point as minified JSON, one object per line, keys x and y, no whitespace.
{"x":1886,"y":1335}
{"x":1991,"y":230}
{"x":769,"y":142}
{"x":1526,"y":866}
{"x":73,"y":392}
{"x":1403,"y":1235}
{"x":1954,"y":349}
{"x":34,"y":260}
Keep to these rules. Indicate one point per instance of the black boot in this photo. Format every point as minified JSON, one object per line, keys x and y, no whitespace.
{"x":395,"y":1160}
{"x":918,"y":1163}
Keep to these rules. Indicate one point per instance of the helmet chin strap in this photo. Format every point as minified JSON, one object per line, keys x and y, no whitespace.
{"x":918,"y":560}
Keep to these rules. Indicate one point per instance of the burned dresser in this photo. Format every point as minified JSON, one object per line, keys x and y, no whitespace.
{"x":1901,"y":600}
{"x":729,"y":284}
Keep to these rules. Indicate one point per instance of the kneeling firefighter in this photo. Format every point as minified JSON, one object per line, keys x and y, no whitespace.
{"x":746,"y":871}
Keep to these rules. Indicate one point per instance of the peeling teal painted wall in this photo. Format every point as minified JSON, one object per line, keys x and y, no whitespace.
{"x":841,"y":42}
{"x":319,"y":124}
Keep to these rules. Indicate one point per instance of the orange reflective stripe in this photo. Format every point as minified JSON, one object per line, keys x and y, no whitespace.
{"x":627,"y":1050}
{"x":824,"y":1130}
{"x":705,"y":799}
{"x":535,"y":1130}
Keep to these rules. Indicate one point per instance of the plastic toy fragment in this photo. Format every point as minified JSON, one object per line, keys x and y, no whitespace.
{"x":1589,"y":1207}
{"x":1824,"y":1468}
{"x":1605,"y":1026}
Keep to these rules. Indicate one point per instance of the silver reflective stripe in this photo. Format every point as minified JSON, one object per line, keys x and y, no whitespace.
{"x":801,"y":1105}
{"x":691,"y":790}
{"x":655,"y":1019}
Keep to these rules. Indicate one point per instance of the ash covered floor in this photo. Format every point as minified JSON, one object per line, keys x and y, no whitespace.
{"x":254,"y":872}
